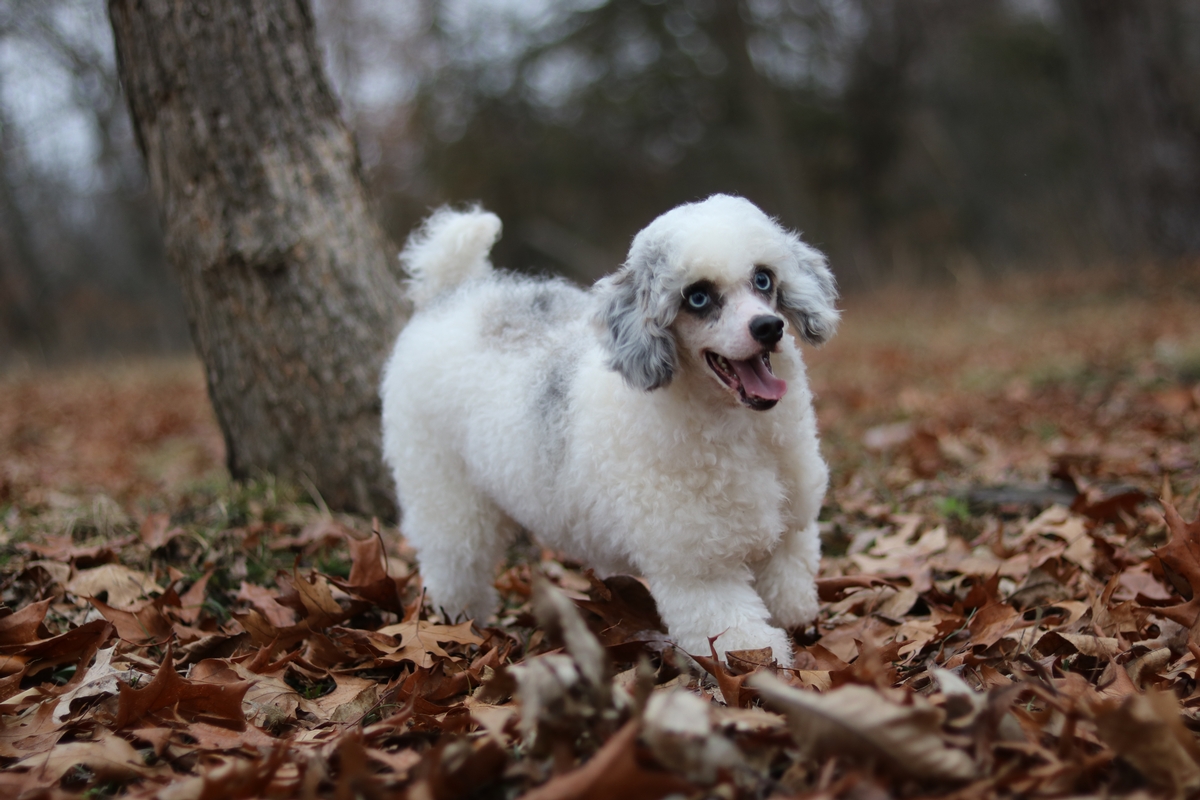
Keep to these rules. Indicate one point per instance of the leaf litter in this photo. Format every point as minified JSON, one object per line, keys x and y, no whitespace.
{"x":1010,"y":601}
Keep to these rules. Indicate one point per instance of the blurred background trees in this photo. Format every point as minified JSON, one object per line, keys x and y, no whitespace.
{"x":911,"y":139}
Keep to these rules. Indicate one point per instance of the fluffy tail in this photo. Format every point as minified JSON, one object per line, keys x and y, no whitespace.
{"x":450,"y":248}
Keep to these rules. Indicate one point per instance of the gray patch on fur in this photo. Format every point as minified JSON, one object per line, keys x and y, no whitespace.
{"x":552,"y":405}
{"x":530,"y":312}
{"x":807,"y":297}
{"x":543,"y":303}
{"x":636,"y":321}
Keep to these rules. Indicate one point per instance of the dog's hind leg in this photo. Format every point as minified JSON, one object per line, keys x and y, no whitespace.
{"x":459,"y":533}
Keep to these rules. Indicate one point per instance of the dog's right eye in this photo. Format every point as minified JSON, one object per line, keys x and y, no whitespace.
{"x":699,"y":298}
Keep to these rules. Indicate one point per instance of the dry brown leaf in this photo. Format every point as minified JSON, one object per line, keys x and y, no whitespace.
{"x":33,"y":731}
{"x":679,"y":729}
{"x":734,"y":689}
{"x":101,"y":678}
{"x":1147,"y":732}
{"x":189,"y":699}
{"x":1180,"y":559}
{"x":191,"y":603}
{"x":108,"y":758}
{"x":122,"y":586}
{"x":268,"y":701}
{"x":860,"y":724}
{"x":613,"y":772}
{"x":156,"y":531}
{"x":352,"y":700}
{"x":24,"y":626}
{"x":421,"y":640}
{"x":316,"y":595}
{"x":142,"y":623}
{"x":265,"y":601}
{"x":216,"y":738}
{"x":369,"y":578}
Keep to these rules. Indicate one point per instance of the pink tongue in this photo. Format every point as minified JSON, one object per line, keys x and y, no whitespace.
{"x":757,"y":379}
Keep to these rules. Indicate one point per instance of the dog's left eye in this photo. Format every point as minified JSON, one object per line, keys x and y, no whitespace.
{"x":762,"y":281}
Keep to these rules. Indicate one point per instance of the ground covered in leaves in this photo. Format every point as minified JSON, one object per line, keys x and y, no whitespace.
{"x":1011,"y":587}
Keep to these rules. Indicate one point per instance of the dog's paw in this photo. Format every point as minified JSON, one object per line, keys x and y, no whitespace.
{"x":475,"y":603}
{"x":741,"y":639}
{"x":793,"y":603}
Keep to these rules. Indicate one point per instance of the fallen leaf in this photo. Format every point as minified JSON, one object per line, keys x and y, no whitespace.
{"x":1146,"y":731}
{"x":188,"y":699}
{"x":191,"y":603}
{"x":24,"y":626}
{"x":100,"y":679}
{"x":156,"y":531}
{"x":110,"y":758}
{"x":142,"y":623}
{"x":352,"y":700}
{"x":680,"y":731}
{"x":1180,"y":559}
{"x":613,"y":772}
{"x":268,"y":702}
{"x":860,"y":724}
{"x":120,"y":584}
{"x":266,"y":603}
{"x":420,"y":640}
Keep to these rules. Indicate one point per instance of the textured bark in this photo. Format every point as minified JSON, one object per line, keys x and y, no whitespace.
{"x":1137,"y":67}
{"x":291,"y":289}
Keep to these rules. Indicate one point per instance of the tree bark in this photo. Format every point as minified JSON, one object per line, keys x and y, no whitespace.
{"x":1138,"y":77}
{"x":291,"y":289}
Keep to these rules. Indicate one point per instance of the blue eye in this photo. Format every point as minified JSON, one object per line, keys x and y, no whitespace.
{"x":762,"y":281}
{"x":698,"y":299}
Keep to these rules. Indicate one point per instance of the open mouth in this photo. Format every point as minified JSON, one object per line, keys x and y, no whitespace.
{"x":750,"y":379}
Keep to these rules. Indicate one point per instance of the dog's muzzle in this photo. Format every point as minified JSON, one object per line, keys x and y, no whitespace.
{"x":751,"y":379}
{"x":767,"y":330}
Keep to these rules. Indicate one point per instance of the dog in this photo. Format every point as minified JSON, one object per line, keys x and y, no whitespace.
{"x":658,"y":424}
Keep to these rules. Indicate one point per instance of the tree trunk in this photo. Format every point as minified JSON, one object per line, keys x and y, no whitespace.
{"x":292,"y":292}
{"x":1137,"y":69}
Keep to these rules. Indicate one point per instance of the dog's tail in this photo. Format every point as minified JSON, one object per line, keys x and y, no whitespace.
{"x":450,"y":248}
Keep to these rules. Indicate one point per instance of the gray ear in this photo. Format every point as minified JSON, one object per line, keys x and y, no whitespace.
{"x":807,"y":294}
{"x":640,"y":346}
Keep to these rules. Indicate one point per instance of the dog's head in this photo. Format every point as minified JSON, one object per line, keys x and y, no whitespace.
{"x":718,"y":283}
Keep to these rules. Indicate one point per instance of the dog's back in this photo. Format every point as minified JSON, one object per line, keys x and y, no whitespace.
{"x":475,"y":395}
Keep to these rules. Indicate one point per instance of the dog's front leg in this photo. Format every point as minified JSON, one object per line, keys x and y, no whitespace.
{"x":787,"y":579}
{"x":698,"y":607}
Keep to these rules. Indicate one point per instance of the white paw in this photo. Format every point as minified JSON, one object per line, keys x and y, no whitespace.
{"x":793,"y":604}
{"x":755,"y":639}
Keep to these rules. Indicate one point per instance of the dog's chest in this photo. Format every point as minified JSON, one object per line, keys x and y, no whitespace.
{"x":729,"y":495}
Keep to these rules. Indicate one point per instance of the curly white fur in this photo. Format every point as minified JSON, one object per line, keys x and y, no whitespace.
{"x":601,"y":422}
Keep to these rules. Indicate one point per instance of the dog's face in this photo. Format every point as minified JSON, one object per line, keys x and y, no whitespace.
{"x":728,"y":329}
{"x":715,"y":285}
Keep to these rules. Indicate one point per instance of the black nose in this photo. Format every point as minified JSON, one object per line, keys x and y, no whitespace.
{"x":766,"y":329}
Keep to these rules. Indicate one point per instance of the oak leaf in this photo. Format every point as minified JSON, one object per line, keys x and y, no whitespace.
{"x":1146,"y":731}
{"x":1180,"y":560}
{"x":614,"y":771}
{"x":860,"y":723}
{"x":122,"y":585}
{"x":189,"y":699}
{"x":24,"y":626}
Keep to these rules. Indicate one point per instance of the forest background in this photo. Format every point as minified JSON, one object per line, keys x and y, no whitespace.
{"x":923,"y":140}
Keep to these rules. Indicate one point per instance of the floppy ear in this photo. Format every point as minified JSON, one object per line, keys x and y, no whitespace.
{"x":635,"y":324}
{"x":807,"y":293}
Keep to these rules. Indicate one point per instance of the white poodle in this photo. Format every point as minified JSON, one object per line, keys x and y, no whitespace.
{"x":659,"y":424}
